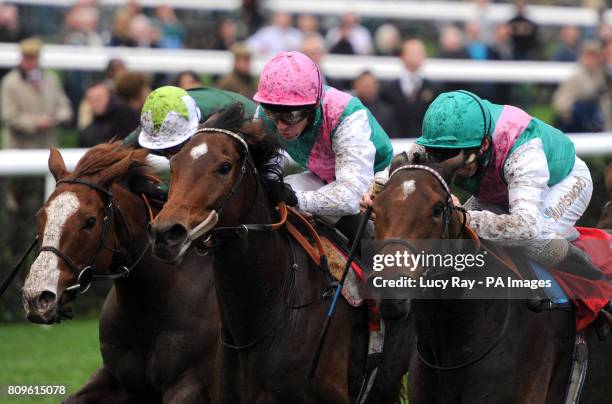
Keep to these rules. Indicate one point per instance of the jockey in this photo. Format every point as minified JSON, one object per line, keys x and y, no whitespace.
{"x":171,"y":115}
{"x":529,"y":188}
{"x":329,"y":133}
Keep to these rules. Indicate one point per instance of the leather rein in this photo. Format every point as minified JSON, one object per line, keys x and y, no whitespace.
{"x":242,"y":231}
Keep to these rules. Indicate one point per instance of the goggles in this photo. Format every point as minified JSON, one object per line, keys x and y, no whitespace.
{"x":289,"y":117}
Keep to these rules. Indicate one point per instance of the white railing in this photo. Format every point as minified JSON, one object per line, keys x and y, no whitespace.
{"x":34,"y":162}
{"x":64,"y":57}
{"x":407,"y":10}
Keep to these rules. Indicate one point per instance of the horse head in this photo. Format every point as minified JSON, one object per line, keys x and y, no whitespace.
{"x":413,"y":208}
{"x":605,"y":220}
{"x":214,"y":180}
{"x":78,"y":228}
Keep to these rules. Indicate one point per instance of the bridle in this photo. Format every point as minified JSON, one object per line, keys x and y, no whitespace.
{"x":448,"y":204}
{"x":242,"y":230}
{"x":448,"y":208}
{"x":87,"y":274}
{"x":246,"y":161}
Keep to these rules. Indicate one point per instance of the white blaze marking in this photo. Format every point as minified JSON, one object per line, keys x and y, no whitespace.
{"x":198,"y":151}
{"x":44,"y":273}
{"x":408,"y":187}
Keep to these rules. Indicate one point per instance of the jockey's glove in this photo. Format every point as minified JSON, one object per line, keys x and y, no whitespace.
{"x":149,"y":189}
{"x":281,"y":192}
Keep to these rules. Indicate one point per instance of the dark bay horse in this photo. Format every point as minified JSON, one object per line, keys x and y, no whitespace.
{"x":605,"y":220}
{"x":269,"y":293}
{"x":468,"y":350}
{"x":159,"y":327}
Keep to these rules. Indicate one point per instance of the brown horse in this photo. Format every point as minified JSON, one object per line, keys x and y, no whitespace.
{"x":269,"y":293}
{"x":468,"y":350}
{"x":605,"y":221}
{"x":159,"y":327}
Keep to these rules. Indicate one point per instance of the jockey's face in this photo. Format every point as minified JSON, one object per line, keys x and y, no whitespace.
{"x":289,"y":123}
{"x":290,"y":132}
{"x":468,"y":170}
{"x":471,"y":168}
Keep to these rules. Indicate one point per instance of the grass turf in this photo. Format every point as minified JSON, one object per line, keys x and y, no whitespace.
{"x":65,"y":354}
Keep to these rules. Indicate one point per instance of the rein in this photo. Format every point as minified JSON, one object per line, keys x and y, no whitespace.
{"x":465,"y":230}
{"x":242,"y":231}
{"x":86,"y":275}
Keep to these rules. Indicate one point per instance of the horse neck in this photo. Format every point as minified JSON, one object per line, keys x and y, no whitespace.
{"x":454,"y":331}
{"x":250,"y":277}
{"x":146,"y":273}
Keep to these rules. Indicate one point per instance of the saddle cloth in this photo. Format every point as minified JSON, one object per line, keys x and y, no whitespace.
{"x":586,"y":296}
{"x":589,"y":297}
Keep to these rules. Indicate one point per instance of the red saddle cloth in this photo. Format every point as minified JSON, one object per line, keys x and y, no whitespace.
{"x":589,"y":297}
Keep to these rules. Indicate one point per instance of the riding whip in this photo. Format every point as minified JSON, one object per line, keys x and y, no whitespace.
{"x":332,"y":307}
{"x":15,"y":270}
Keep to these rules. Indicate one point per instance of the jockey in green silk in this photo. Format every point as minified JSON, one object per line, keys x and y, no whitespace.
{"x":171,"y":115}
{"x":528,"y":186}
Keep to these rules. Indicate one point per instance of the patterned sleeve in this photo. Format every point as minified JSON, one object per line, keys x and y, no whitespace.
{"x":527,"y":175}
{"x":355,"y":154}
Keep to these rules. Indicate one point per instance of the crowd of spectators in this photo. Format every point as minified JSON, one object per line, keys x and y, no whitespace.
{"x":101,"y":106}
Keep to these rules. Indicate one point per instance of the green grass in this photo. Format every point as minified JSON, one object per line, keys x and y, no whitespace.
{"x":65,"y":354}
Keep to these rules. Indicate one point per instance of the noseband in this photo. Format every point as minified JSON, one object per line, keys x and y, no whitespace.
{"x":86,"y":275}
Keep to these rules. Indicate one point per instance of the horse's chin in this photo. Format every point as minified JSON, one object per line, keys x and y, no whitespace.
{"x":171,"y":255}
{"x":48,"y":317}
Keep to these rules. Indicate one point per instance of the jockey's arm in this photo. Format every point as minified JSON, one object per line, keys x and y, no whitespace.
{"x":355,"y":156}
{"x":527,"y":175}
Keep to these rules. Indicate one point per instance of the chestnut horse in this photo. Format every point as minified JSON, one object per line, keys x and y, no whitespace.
{"x":469,"y":350}
{"x":159,"y":327}
{"x":270,"y":295}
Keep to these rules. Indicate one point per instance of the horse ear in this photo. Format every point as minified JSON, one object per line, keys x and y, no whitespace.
{"x":398,"y":161}
{"x":57,"y":165}
{"x":608,"y":178}
{"x":212,"y":117}
{"x":450,"y":166}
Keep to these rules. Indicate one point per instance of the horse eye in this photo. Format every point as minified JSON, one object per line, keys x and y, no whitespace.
{"x":438,"y":209}
{"x":90,"y":223}
{"x":224,"y":168}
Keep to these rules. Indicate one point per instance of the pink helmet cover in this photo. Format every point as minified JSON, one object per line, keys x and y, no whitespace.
{"x":289,"y":78}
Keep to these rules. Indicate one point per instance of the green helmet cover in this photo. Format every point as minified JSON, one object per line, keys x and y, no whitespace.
{"x":456,"y":120}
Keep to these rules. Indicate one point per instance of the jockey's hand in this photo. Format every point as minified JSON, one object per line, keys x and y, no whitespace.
{"x":282,"y":192}
{"x":366,"y":202}
{"x":149,"y":189}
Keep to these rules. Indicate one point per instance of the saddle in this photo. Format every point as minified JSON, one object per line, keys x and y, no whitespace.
{"x":329,"y":249}
{"x":587,"y":297}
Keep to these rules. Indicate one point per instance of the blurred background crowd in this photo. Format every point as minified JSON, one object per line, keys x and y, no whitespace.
{"x":41,"y":108}
{"x":98,"y":105}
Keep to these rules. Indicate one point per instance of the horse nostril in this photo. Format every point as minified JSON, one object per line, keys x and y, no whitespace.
{"x":177,"y":234}
{"x":45,"y":300}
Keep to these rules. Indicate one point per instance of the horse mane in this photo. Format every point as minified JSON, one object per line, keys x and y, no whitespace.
{"x":99,"y":160}
{"x":263,"y":147}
